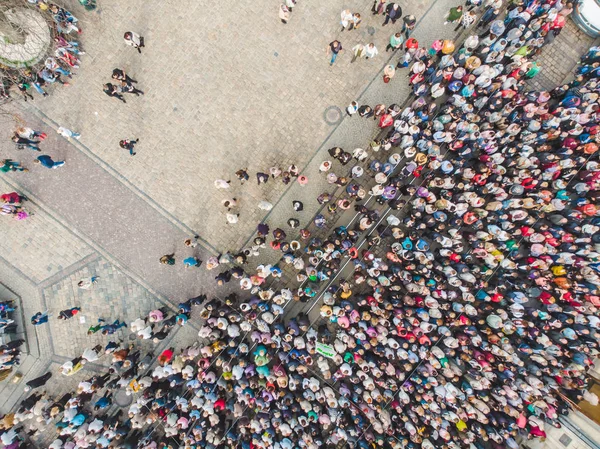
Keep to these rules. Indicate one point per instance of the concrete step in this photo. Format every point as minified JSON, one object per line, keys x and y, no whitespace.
{"x":12,"y":393}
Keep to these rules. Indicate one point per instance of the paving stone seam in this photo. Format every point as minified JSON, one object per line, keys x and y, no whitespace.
{"x":378,"y":133}
{"x":23,"y":393}
{"x":93,"y":245}
{"x":68,"y":271}
{"x":345,"y":117}
{"x":18,"y":271}
{"x":122,"y":179}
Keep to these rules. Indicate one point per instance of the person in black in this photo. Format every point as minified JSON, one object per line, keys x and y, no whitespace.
{"x":262,"y":178}
{"x":365,"y":111}
{"x":161,"y":334}
{"x":392,"y":12}
{"x":126,"y":82}
{"x":223,"y":278}
{"x":129,"y":145}
{"x":128,"y":88}
{"x":113,"y":91}
{"x":334,"y":48}
{"x":38,"y":381}
{"x":22,"y":142}
{"x":120,"y":75}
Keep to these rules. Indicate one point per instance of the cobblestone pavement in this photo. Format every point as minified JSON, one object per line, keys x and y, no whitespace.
{"x":39,"y":246}
{"x":242,"y":90}
{"x":225,"y":89}
{"x":560,"y":57}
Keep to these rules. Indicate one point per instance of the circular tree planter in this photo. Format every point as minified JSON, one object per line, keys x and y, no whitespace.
{"x":24,"y":37}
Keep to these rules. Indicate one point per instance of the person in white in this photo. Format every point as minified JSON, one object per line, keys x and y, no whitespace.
{"x":265,"y":205}
{"x":371,"y":51}
{"x":347,"y":17}
{"x":134,"y":39}
{"x":67,"y":133}
{"x":232,"y":218}
{"x":222,"y":184}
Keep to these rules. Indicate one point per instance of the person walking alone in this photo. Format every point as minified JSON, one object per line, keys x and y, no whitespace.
{"x":38,"y":381}
{"x":135,"y":40}
{"x":127,"y":144}
{"x":242,"y":175}
{"x":222,"y":184}
{"x":333,"y":49}
{"x":229,"y":203}
{"x":284,"y":13}
{"x":7,"y":165}
{"x":67,"y":133}
{"x":168,"y":259}
{"x":46,"y":161}
{"x":69,"y":313}
{"x":110,"y":329}
{"x":39,"y":318}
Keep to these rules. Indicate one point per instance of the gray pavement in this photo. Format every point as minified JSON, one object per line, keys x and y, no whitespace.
{"x":560,"y":57}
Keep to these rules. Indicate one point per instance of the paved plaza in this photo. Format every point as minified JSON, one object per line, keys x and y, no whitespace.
{"x":234,"y":93}
{"x":225,"y":88}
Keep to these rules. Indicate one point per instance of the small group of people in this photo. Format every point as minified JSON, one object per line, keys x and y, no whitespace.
{"x":65,"y":58}
{"x":275,"y":172}
{"x":40,"y":318}
{"x":124,"y":85}
{"x":9,"y":352}
{"x":11,"y":204}
{"x":25,"y":137}
{"x":189,"y":261}
{"x":350,"y":20}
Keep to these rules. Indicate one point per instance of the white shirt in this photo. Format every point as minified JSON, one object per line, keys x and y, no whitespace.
{"x":90,"y":355}
{"x":371,"y":52}
{"x":221,"y":184}
{"x":135,"y":40}
{"x":67,"y":133}
{"x":265,"y":205}
{"x":145,"y":333}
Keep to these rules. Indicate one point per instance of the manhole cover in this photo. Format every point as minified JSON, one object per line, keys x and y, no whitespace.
{"x":333,"y":115}
{"x":122,"y":400}
{"x":371,"y":30}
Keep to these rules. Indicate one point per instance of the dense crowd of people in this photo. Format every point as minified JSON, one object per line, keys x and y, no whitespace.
{"x":469,"y":319}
